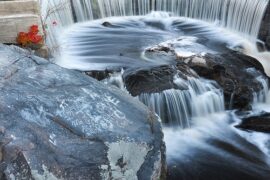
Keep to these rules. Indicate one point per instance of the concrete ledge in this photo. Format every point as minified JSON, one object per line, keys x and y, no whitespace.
{"x":11,"y":25}
{"x":17,"y":16}
{"x":18,"y":7}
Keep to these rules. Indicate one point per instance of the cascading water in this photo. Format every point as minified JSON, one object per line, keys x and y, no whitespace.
{"x":201,"y":145}
{"x":261,"y":99}
{"x":243,"y":16}
{"x":116,"y":79}
{"x":261,"y":96}
{"x":177,"y":107}
{"x":55,"y":15}
{"x":239,"y":16}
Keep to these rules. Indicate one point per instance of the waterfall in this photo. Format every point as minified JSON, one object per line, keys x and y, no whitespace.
{"x":93,"y":9}
{"x":242,"y":16}
{"x":116,"y":79}
{"x":179,"y":106}
{"x":262,"y":95}
{"x":55,"y":15}
{"x":199,"y":98}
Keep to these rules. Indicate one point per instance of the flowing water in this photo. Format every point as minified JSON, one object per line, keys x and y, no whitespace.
{"x":55,"y":16}
{"x":177,"y":107}
{"x":240,"y":16}
{"x":88,"y":45}
{"x":201,"y":140}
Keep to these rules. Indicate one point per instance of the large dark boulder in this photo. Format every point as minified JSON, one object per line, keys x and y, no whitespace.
{"x":60,"y":124}
{"x":235,"y":72}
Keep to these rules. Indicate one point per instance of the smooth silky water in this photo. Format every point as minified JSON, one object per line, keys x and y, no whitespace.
{"x":242,"y":17}
{"x":201,"y":140}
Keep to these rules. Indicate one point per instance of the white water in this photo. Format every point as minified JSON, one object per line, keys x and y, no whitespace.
{"x":213,"y":149}
{"x":262,"y":140}
{"x":56,"y":14}
{"x":174,"y":106}
{"x":243,"y":16}
{"x":261,"y":100}
{"x":240,"y":16}
{"x":116,"y":79}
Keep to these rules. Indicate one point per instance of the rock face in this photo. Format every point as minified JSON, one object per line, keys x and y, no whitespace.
{"x":236,"y":73}
{"x":60,"y":124}
{"x":259,"y":123}
{"x":264,"y":33}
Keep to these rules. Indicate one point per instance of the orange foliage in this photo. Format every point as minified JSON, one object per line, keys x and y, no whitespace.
{"x":31,"y":37}
{"x":34,"y":29}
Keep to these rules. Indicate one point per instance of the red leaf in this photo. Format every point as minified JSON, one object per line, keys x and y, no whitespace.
{"x":22,"y":38}
{"x":34,"y":29}
{"x":32,"y":36}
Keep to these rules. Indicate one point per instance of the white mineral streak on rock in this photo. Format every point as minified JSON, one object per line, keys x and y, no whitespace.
{"x":126,"y":158}
{"x":37,"y":115}
{"x":52,"y":139}
{"x":46,"y":175}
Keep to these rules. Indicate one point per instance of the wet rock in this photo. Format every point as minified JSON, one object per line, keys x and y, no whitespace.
{"x":264,"y":32}
{"x":106,"y":24}
{"x":158,"y":48}
{"x":99,"y":75}
{"x":155,"y":79}
{"x":260,"y":123}
{"x":60,"y":124}
{"x":43,"y":52}
{"x":236,"y":73}
{"x":149,"y":80}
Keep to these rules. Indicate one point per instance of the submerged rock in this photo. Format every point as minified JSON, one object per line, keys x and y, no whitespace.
{"x":260,"y":123}
{"x":99,"y":75}
{"x":149,"y":80}
{"x":60,"y":124}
